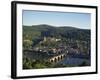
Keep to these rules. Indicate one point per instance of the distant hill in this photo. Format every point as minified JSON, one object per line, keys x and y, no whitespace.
{"x":36,"y":31}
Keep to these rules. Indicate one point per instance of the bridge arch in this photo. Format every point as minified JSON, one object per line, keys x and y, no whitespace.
{"x":57,"y":58}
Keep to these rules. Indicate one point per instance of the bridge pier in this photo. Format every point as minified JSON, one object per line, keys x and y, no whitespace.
{"x":57,"y":58}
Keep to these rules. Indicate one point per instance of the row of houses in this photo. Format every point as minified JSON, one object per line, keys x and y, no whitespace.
{"x":51,"y":39}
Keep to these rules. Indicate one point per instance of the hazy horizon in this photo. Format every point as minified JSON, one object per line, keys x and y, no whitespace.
{"x":57,"y":19}
{"x":55,"y":26}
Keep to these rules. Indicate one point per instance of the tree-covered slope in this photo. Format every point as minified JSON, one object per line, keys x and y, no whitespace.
{"x":36,"y":31}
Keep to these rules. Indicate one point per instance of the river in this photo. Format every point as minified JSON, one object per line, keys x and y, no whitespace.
{"x":70,"y":60}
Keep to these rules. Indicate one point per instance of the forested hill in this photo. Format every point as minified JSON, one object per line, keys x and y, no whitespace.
{"x":67,"y":32}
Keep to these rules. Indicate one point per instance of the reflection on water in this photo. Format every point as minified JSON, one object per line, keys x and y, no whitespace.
{"x":74,"y":61}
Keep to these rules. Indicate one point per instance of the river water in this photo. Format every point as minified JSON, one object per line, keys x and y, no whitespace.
{"x":69,"y":60}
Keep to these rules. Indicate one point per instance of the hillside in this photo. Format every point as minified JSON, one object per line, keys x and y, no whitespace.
{"x":43,"y":42}
{"x":67,"y":32}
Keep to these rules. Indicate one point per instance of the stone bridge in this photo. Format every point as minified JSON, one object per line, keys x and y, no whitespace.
{"x":57,"y":58}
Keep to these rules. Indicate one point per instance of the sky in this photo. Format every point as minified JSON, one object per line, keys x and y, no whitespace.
{"x":78,"y":20}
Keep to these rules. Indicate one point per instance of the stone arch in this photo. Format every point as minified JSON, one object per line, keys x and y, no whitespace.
{"x":64,"y":55}
{"x":55,"y":59}
{"x":51,"y":60}
{"x":59,"y":58}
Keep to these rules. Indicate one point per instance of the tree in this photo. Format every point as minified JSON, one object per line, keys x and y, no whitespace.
{"x":27,"y":44}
